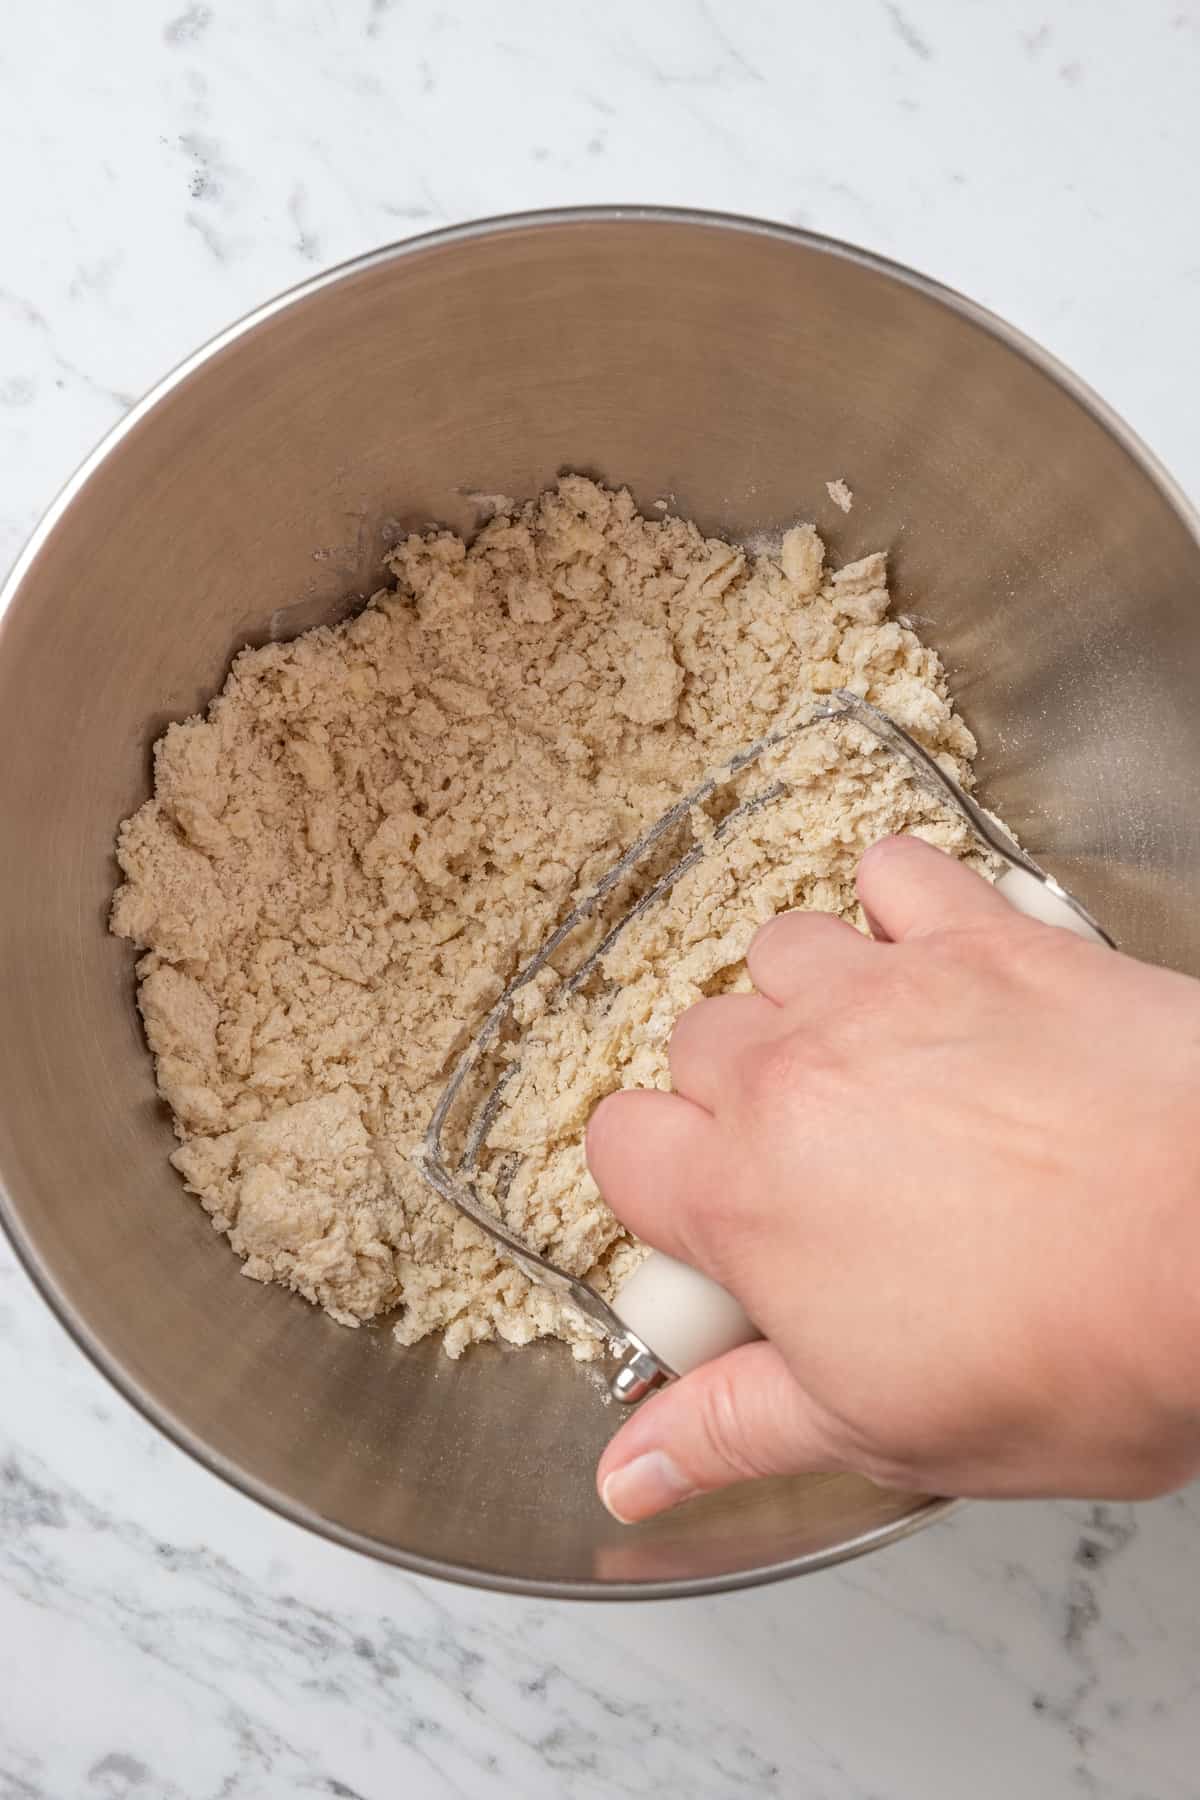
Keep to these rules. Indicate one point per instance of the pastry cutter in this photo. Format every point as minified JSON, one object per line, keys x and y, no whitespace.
{"x":668,"y":1318}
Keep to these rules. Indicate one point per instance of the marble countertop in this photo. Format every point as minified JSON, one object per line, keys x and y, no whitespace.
{"x":166,"y":166}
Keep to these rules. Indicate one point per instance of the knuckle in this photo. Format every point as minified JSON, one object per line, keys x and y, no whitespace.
{"x":997,"y":943}
{"x":1038,"y":952}
{"x":813,"y":1066}
{"x":903,"y":984}
{"x":992,"y":936}
{"x":722,"y":1431}
{"x":775,"y":1070}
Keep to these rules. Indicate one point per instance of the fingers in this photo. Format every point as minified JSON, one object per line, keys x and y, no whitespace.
{"x":790,"y":958}
{"x":710,"y":1039}
{"x":653,"y":1155}
{"x":792,"y":955}
{"x":741,"y":1416}
{"x":909,"y":889}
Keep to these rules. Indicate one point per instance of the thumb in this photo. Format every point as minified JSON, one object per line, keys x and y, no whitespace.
{"x":741,"y":1416}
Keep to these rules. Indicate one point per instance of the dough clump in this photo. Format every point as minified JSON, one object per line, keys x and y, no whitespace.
{"x":373,"y":826}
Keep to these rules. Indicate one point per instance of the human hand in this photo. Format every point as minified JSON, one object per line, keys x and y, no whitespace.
{"x":954,"y":1177}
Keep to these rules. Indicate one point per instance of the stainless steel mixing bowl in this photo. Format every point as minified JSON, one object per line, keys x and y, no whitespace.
{"x":735,"y":367}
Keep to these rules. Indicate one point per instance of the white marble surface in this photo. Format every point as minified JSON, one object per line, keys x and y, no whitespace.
{"x":166,"y":166}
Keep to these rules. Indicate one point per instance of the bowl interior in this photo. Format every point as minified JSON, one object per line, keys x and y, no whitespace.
{"x":734,"y":369}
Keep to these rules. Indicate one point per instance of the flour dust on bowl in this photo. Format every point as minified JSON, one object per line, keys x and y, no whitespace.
{"x":736,"y":369}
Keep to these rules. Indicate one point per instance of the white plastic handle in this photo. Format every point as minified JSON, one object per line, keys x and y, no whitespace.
{"x":685,"y":1318}
{"x":1038,"y":901}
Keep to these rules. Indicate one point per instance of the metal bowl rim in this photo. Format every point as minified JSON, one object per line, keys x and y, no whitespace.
{"x":923,"y":1512}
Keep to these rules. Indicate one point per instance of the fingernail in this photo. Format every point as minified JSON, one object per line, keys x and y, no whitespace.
{"x":647,"y":1485}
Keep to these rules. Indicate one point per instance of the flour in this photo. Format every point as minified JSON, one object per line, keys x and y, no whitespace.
{"x":373,"y":826}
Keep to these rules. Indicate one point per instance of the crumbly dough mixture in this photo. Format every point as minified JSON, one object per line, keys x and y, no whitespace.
{"x":373,"y":826}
